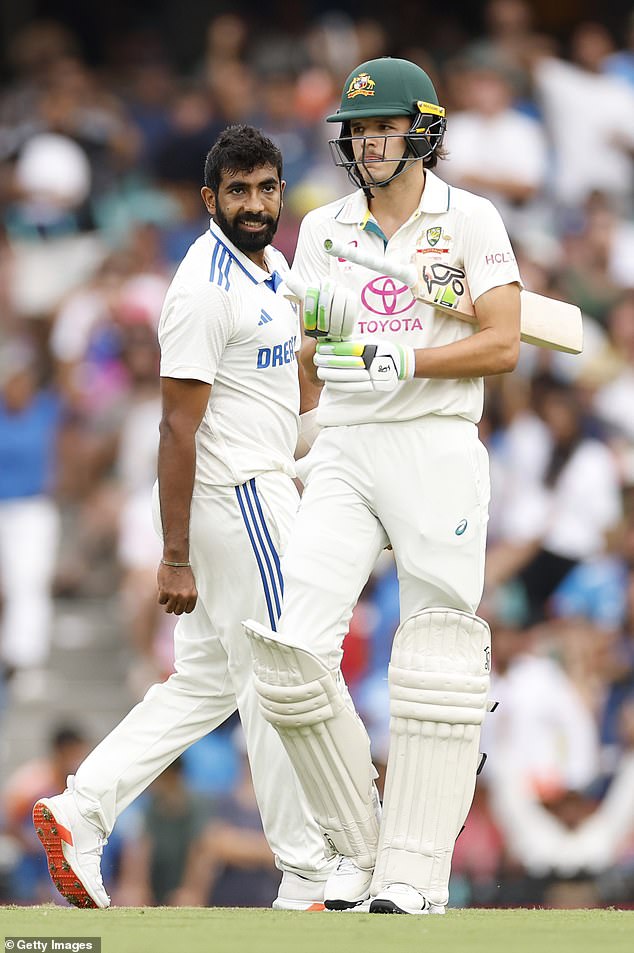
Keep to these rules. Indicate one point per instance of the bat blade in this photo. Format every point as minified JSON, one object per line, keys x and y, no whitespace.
{"x":545,"y":322}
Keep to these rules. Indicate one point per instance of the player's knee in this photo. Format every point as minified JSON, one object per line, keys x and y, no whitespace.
{"x":294,"y":686}
{"x":439,"y":670}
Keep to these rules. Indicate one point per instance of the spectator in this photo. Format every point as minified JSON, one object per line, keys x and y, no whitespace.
{"x":67,"y":747}
{"x":494,"y":150}
{"x":559,"y":507}
{"x":590,"y":118}
{"x":170,"y":828}
{"x":31,"y":420}
{"x":564,"y":833}
{"x":233,"y":865}
{"x":542,"y":733}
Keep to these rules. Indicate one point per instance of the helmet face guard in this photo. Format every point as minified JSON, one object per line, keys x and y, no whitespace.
{"x":421,"y":141}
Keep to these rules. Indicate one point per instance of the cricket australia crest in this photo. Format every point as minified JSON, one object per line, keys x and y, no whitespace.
{"x":433,"y":235}
{"x":361,"y":85}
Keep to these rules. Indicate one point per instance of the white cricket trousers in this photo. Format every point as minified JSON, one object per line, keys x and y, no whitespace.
{"x":420,"y":485}
{"x":29,"y":539}
{"x":237,"y":537}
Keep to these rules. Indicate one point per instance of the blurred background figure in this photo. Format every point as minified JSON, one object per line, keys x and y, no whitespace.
{"x":31,"y":420}
{"x":66,"y":749}
{"x":496,"y":150}
{"x":187,"y":848}
{"x":576,"y":96}
{"x":169,"y":828}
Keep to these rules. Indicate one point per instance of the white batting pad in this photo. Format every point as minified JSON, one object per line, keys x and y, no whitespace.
{"x":325,"y":740}
{"x":439,"y":678}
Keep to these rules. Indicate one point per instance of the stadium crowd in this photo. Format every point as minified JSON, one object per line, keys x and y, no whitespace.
{"x":100,"y":170}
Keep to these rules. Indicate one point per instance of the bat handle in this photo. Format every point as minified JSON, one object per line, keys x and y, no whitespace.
{"x":384,"y":265}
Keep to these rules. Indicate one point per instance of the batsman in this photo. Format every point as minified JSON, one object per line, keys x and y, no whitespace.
{"x":397,"y":462}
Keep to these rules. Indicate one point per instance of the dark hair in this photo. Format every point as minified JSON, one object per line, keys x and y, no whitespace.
{"x":240,"y":148}
{"x":63,"y":735}
{"x":432,"y":161}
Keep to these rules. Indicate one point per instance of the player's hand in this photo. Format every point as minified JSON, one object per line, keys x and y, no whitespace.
{"x":364,"y":365}
{"x":329,"y":310}
{"x":176,"y":588}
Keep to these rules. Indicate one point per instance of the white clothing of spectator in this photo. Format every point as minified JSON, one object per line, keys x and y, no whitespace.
{"x":590,"y":119}
{"x":497,"y":151}
{"x":544,"y":844}
{"x":542,"y":732}
{"x":572,"y":516}
{"x":31,"y":419}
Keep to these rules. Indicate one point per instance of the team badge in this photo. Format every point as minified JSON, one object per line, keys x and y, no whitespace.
{"x":433,"y":235}
{"x":361,"y":85}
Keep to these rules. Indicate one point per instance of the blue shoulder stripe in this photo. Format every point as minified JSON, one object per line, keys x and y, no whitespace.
{"x":225,"y":270}
{"x":232,"y":257}
{"x":214,"y":258}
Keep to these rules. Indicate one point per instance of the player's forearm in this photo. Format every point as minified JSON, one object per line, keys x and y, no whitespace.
{"x":484,"y":353}
{"x":306,"y":356}
{"x":176,"y":472}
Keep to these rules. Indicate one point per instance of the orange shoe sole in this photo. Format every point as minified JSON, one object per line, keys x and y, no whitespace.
{"x":52,"y":835}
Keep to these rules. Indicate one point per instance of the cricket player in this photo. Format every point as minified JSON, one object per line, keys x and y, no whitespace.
{"x":397,"y":462}
{"x":225,"y":504}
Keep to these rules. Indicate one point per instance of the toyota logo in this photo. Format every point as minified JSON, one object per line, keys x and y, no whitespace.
{"x":385,"y":296}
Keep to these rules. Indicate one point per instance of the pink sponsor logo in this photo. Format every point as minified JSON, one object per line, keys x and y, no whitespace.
{"x":385,"y":296}
{"x":395,"y":325}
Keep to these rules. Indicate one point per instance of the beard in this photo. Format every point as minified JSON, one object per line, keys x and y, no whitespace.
{"x":241,"y":237}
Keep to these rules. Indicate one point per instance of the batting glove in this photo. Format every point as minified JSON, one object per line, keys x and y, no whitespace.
{"x":364,"y":365}
{"x":329,"y":311}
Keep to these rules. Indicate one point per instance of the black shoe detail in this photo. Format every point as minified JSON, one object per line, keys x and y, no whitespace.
{"x":341,"y":904}
{"x":384,"y":906}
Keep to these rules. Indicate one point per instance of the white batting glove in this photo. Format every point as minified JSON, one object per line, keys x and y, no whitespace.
{"x":364,"y":365}
{"x":329,"y":310}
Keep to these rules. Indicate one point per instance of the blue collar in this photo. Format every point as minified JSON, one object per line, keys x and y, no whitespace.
{"x":274,"y":281}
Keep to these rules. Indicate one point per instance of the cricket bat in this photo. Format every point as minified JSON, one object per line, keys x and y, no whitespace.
{"x":544,"y":321}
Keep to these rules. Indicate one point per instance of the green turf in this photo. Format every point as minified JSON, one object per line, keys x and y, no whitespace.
{"x":188,"y":930}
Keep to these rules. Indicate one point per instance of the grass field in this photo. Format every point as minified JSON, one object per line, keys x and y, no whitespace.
{"x":189,"y":930}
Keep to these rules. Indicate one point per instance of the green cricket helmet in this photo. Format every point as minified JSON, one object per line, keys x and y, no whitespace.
{"x":388,"y":87}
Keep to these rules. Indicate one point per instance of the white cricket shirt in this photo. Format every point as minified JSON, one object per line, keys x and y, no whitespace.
{"x":458,"y":235}
{"x":226,"y":322}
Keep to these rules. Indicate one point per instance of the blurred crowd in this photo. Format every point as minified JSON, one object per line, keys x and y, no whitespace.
{"x":100,"y":170}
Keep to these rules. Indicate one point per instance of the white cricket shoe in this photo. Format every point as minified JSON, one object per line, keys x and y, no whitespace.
{"x":299,"y":893}
{"x":401,"y":898}
{"x":73,"y":847}
{"x":348,"y":886}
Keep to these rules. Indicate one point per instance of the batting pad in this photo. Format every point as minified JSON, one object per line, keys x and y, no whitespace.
{"x":324,"y":738}
{"x":438,"y":678}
